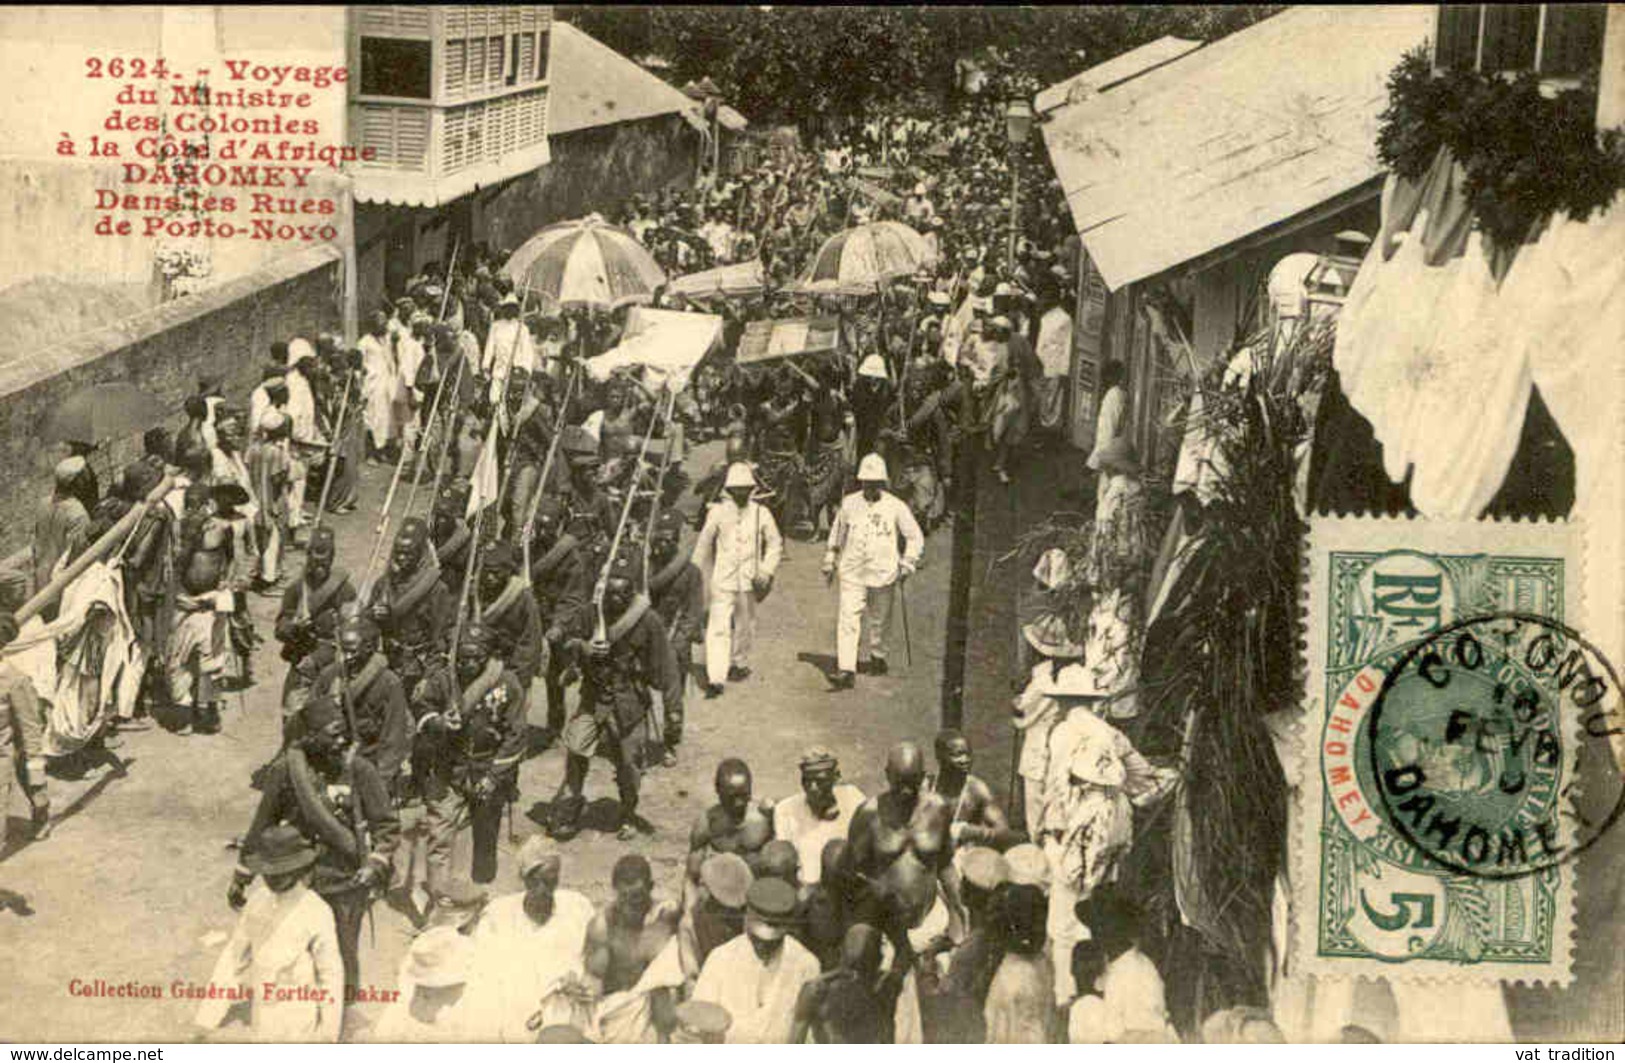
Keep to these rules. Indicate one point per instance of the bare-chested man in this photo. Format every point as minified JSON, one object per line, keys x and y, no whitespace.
{"x":899,"y":851}
{"x":732,"y":825}
{"x":977,"y":818}
{"x":624,"y":939}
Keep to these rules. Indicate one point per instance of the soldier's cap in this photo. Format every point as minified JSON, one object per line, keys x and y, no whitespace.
{"x":321,"y":543}
{"x":477,"y":635}
{"x":983,"y":868}
{"x":68,"y":468}
{"x":669,"y":523}
{"x":500,"y":557}
{"x":1026,"y":866}
{"x":413,"y":532}
{"x":704,"y":1018}
{"x":580,"y":444}
{"x":279,"y":850}
{"x":320,"y":712}
{"x":359,"y":625}
{"x":727,"y":878}
{"x":770,"y":904}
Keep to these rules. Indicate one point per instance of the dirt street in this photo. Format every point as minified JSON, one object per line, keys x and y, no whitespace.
{"x":130,"y":888}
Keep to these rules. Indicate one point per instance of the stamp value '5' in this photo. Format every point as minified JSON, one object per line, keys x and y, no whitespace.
{"x":1458,"y":750}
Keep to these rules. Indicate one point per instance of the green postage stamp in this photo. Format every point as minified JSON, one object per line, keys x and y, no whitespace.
{"x":1458,"y":760}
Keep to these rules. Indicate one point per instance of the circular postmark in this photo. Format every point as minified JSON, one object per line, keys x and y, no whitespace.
{"x":1487,"y":745}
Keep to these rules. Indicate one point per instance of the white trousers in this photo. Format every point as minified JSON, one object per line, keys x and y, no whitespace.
{"x":298,"y":476}
{"x":862,"y":618}
{"x":729,"y":629}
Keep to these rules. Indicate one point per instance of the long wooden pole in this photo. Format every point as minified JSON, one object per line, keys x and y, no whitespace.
{"x":439,"y":391}
{"x":600,"y":633}
{"x":479,"y":514}
{"x":94,"y":552}
{"x":654,"y":505}
{"x":529,"y":528}
{"x":332,"y":450}
{"x":448,"y":431}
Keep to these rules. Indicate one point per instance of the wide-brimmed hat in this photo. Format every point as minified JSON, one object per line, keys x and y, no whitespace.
{"x":439,"y":957}
{"x":279,"y":850}
{"x":1048,"y":635}
{"x":727,"y":878}
{"x":770,"y":905}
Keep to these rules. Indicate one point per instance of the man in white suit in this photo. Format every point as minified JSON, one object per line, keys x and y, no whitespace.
{"x":742,"y":542}
{"x":863,"y":550}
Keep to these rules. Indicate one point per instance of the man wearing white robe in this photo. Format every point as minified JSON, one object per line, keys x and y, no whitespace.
{"x":758,"y":975}
{"x":530,"y":950}
{"x":380,"y":384}
{"x":508,"y":345}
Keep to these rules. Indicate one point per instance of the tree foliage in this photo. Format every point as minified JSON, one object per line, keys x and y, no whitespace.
{"x":786,"y":63}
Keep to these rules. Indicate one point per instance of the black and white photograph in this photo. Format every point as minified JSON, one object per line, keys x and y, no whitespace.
{"x":650,"y":525}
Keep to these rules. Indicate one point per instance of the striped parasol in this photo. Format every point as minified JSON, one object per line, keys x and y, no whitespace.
{"x":859,"y":260}
{"x":585,"y":262}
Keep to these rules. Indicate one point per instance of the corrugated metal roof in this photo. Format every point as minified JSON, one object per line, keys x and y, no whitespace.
{"x":402,"y":188}
{"x":591,"y":84}
{"x":1113,"y":71}
{"x":1249,"y":131}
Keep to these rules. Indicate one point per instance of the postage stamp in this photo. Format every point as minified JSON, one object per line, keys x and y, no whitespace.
{"x":1454,"y":708}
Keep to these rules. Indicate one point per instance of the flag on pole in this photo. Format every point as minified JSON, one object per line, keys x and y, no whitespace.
{"x":485,"y":483}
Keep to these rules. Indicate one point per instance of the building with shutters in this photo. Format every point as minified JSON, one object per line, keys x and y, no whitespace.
{"x":453,"y":99}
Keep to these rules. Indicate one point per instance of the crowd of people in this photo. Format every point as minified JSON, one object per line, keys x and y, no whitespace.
{"x":566,"y":548}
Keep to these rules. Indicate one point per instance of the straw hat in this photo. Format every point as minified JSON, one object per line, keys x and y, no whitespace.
{"x":983,"y":868}
{"x":280,"y":850}
{"x":1026,"y":865}
{"x":727,"y":878}
{"x":1048,"y":635}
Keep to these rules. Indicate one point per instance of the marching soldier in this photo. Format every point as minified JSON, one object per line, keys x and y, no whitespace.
{"x":587,"y":499}
{"x":678,"y":593}
{"x":471,"y":727}
{"x":559,"y":583}
{"x":310,"y":606}
{"x":412,"y":606}
{"x":628,"y":671}
{"x":452,"y":535}
{"x":509,"y":610}
{"x":339,"y":804}
{"x":373,"y":692}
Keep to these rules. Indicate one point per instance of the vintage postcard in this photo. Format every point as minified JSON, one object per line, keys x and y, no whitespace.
{"x":812,"y":524}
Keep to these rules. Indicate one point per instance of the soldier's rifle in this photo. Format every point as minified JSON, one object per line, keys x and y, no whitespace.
{"x":479,"y":514}
{"x":529,"y":528}
{"x":332,"y":450}
{"x":381,"y":532}
{"x":654,"y":505}
{"x":601,"y":631}
{"x":439,"y":391}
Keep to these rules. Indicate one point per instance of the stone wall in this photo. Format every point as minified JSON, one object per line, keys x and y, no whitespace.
{"x":225,"y":331}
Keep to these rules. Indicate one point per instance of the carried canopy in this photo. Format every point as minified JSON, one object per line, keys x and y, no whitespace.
{"x":739,"y":279}
{"x":764,"y":341}
{"x":666,"y":344}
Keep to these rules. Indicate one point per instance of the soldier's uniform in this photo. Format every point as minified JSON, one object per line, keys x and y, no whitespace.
{"x":308,"y":620}
{"x":510,"y":612}
{"x":383,"y":720}
{"x":343,"y":807}
{"x":557,"y":580}
{"x":617,"y":689}
{"x":412,"y":606}
{"x":453,"y":538}
{"x":471,"y":735}
{"x":677,"y":591}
